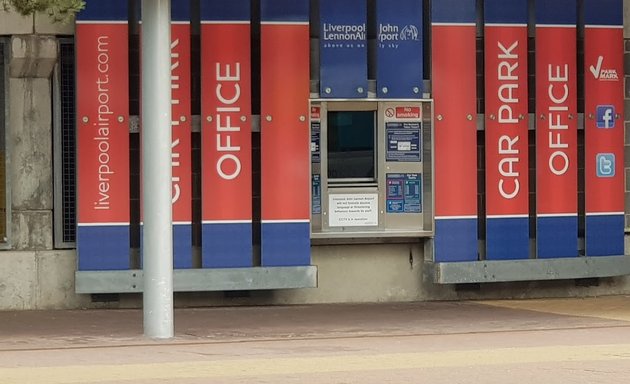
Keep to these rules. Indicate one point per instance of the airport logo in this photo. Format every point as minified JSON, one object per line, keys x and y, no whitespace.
{"x":388,"y":33}
{"x":344,"y":32}
{"x":605,"y":164}
{"x":606,"y":116}
{"x":409,"y":32}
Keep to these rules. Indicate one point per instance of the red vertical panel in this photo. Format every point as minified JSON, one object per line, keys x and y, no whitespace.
{"x":180,"y":84}
{"x":285,"y":138}
{"x":454,"y":90}
{"x":102,"y":145}
{"x":456,"y":126}
{"x":226,"y":144}
{"x":556,"y":140}
{"x":181,"y":147}
{"x":506,"y":121}
{"x":557,"y":120}
{"x":227,"y":134}
{"x":285,"y":142}
{"x":604,"y":143}
{"x":103,"y":133}
{"x":603,"y":56}
{"x":506,"y":125}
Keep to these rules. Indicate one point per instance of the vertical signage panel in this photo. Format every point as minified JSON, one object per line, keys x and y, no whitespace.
{"x":507,"y":192}
{"x":343,"y":48}
{"x":604,"y":144}
{"x":399,"y":53}
{"x":285,"y":136}
{"x":556,"y":129}
{"x":226,"y":134}
{"x":103,"y":136}
{"x":454,"y":90}
{"x":181,"y":131}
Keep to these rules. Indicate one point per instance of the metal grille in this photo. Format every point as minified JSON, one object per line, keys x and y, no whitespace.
{"x":67,"y":143}
{"x":2,"y":105}
{"x":3,"y":173}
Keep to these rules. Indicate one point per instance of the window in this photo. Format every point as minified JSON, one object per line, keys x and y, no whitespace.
{"x":351,"y":137}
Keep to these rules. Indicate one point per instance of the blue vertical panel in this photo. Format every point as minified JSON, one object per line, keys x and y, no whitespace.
{"x":343,"y":48}
{"x":219,"y":11}
{"x":454,"y":77}
{"x":180,"y":11}
{"x":399,"y":54}
{"x":97,"y":12}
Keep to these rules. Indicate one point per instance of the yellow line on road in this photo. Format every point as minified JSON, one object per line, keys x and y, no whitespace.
{"x":607,"y":307}
{"x":249,"y":367}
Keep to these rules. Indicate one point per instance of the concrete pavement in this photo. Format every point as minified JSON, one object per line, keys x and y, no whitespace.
{"x":558,"y":340}
{"x":68,"y":328}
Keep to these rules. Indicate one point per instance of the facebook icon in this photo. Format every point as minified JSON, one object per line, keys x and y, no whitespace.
{"x":605,"y":116}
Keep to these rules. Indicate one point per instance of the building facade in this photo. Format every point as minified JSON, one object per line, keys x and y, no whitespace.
{"x":323,"y":151}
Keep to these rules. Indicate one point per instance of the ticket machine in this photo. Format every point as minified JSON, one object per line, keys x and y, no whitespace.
{"x":371,"y":165}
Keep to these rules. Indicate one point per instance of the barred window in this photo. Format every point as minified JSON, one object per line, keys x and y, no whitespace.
{"x":65,"y":147}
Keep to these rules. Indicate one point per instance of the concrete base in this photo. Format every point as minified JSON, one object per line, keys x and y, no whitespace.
{"x":39,"y":280}
{"x":346,"y":274}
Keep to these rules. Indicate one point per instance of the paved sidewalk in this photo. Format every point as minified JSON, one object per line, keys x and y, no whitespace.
{"x":554,"y":341}
{"x":31,"y":330}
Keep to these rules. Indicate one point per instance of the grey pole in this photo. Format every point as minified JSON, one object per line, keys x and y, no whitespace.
{"x":157,"y":243}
